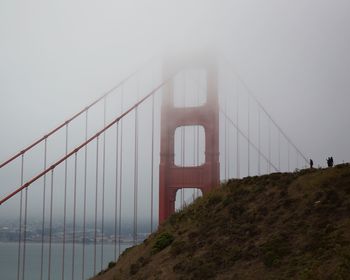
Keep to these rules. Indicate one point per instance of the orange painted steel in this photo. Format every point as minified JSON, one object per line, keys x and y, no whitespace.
{"x":206,"y":176}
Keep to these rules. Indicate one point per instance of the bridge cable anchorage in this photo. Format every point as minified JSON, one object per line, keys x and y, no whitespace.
{"x":20,"y":220}
{"x":62,"y":125}
{"x":103,"y":181}
{"x":50,"y":226}
{"x":58,"y":162}
{"x":74,"y":210}
{"x":250,"y":92}
{"x":96,"y":202}
{"x":65,"y":200}
{"x":43,"y":215}
{"x":239,"y":131}
{"x":85,"y":186}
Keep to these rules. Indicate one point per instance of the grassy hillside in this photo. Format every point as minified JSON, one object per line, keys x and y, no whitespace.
{"x":279,"y":226}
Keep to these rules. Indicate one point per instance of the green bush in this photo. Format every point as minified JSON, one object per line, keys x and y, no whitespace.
{"x":163,"y":241}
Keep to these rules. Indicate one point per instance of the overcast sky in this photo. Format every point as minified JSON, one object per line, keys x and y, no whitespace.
{"x":58,"y":56}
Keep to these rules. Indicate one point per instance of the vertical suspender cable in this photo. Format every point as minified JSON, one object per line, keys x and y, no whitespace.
{"x":65,"y":205}
{"x":269,"y":147}
{"x":85,"y":185}
{"x":74,"y":210}
{"x":197,"y":152}
{"x":297,"y":167}
{"x":288,"y":157}
{"x":259,"y":141}
{"x":116,"y":191}
{"x":120,"y":177}
{"x":225,"y":137}
{"x":50,"y":227}
{"x":194,"y":144}
{"x":279,"y":151}
{"x":43,"y":215}
{"x":135,"y":176}
{"x":228,"y":149}
{"x":20,"y":221}
{"x":152,"y":163}
{"x":194,"y":157}
{"x":237,"y":118}
{"x":103,"y":181}
{"x":248,"y":136}
{"x":96,"y":204}
{"x":197,"y":136}
{"x":25,"y":231}
{"x":183,"y":146}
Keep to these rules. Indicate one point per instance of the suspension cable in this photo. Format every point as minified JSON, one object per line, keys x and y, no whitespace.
{"x":28,"y":183}
{"x":50,"y":228}
{"x":152,"y":163}
{"x":251,"y":143}
{"x":225,"y":136}
{"x":103,"y":181}
{"x":43,"y":216}
{"x":120,"y":176}
{"x":65,"y":204}
{"x":116,"y":191}
{"x":269,"y":145}
{"x":135,"y":176}
{"x":96,"y":202}
{"x":85,"y":186}
{"x":105,"y":94}
{"x":74,"y":209}
{"x":20,"y":221}
{"x":250,"y":92}
{"x":237,"y":138}
{"x":259,"y":141}
{"x":248,"y":136}
{"x":25,"y":231}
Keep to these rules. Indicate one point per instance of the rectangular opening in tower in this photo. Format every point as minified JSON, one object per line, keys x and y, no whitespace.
{"x":190,"y":88}
{"x":186,"y":196}
{"x":189,"y":146}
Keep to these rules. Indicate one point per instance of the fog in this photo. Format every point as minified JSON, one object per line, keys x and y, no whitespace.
{"x":58,"y":56}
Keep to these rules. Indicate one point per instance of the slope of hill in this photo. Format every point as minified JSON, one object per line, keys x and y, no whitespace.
{"x":278,"y":226}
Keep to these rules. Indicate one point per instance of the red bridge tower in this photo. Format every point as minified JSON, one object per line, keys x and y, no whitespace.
{"x":205,"y":176}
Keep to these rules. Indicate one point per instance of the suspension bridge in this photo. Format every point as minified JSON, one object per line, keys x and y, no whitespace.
{"x":106,"y":177}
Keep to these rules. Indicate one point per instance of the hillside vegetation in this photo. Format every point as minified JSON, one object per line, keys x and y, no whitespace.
{"x":278,"y":226}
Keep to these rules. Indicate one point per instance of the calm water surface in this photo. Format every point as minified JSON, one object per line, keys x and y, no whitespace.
{"x":8,"y":260}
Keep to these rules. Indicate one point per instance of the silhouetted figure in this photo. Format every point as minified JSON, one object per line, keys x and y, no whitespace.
{"x":311,"y":163}
{"x":330,"y":162}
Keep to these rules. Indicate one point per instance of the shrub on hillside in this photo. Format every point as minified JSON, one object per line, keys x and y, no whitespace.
{"x":163,"y":241}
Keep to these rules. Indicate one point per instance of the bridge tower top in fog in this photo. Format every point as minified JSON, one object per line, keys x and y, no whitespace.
{"x":204,"y":176}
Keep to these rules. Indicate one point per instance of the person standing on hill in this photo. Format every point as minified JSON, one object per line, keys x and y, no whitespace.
{"x":311,"y":163}
{"x":330,"y":162}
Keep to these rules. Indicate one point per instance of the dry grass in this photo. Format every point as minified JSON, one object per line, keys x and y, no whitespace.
{"x":280,"y":226}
